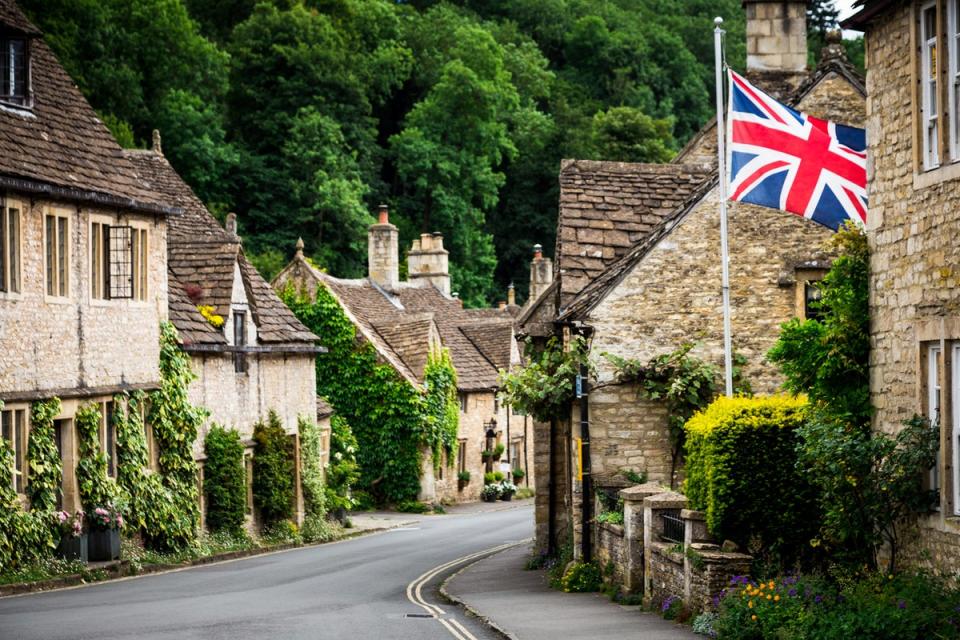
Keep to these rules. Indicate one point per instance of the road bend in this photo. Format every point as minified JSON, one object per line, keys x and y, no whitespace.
{"x":371,"y":587}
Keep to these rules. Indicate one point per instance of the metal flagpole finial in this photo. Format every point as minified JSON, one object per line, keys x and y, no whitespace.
{"x":718,"y":21}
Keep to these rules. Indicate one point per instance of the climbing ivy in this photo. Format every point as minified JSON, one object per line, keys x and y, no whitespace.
{"x":97,"y":489}
{"x":24,"y":537}
{"x":544,"y":387}
{"x":224,"y":481}
{"x":442,"y":407}
{"x":176,"y":423}
{"x":311,"y":473}
{"x":46,"y":468}
{"x":386,"y":412}
{"x":342,"y":470}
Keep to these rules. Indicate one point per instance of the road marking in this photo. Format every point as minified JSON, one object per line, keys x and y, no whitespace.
{"x":415,"y":590}
{"x":404,"y":529}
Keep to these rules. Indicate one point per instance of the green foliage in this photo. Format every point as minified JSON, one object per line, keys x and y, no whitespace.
{"x":488,"y":478}
{"x":828,"y":359}
{"x":581,"y":577}
{"x":43,"y":458}
{"x":96,"y":488}
{"x":442,"y":406}
{"x":176,"y":424}
{"x":742,"y":471}
{"x":518,"y":475}
{"x":628,"y":134}
{"x":342,"y":470}
{"x":386,"y":413}
{"x":24,"y":537}
{"x":685,"y":384}
{"x":463,"y":476}
{"x":610,"y":517}
{"x":316,"y":528}
{"x":633,"y":476}
{"x":910,"y":606}
{"x":311,"y":473}
{"x":273,"y":471}
{"x":871,"y":484}
{"x":544,"y":387}
{"x":413,"y":506}
{"x":224,"y":482}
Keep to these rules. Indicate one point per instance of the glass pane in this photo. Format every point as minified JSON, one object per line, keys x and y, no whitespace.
{"x":95,"y":290}
{"x":20,"y":433}
{"x":62,"y":255}
{"x":4,"y":69}
{"x":50,"y":254}
{"x":18,"y":67}
{"x":143,"y":264}
{"x":14,"y":253}
{"x":3,"y":253}
{"x":6,"y":423}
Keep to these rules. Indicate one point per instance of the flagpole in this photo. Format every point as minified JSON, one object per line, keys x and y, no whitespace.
{"x":722,"y":183}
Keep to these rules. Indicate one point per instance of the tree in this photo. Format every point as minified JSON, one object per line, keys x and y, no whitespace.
{"x":629,"y":135}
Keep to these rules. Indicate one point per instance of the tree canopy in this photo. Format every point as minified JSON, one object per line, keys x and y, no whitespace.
{"x":303,"y":115}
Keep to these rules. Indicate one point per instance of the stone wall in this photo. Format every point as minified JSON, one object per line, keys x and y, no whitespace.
{"x":283,"y":383}
{"x":913,"y":223}
{"x":610,"y":551}
{"x":76,"y":342}
{"x":666,"y":571}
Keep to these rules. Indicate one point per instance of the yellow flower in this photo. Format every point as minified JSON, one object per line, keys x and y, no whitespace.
{"x":762,"y":586}
{"x":776,"y":598}
{"x":753,"y":617}
{"x":769,"y":597}
{"x":750,"y":604}
{"x":890,"y":577}
{"x":772,"y":584}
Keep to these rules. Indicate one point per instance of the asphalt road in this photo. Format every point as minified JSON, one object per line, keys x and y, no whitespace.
{"x":356,"y":589}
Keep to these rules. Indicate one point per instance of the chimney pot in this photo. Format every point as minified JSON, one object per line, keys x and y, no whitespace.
{"x":511,"y":296}
{"x":538,"y":252}
{"x":776,"y":35}
{"x":383,"y":215}
{"x":299,"y":247}
{"x":383,"y":248}
{"x":231,"y":223}
{"x":502,"y":305}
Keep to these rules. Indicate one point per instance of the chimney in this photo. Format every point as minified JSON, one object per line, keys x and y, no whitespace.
{"x":541,"y":273}
{"x":157,"y":146}
{"x":511,"y":296}
{"x":428,"y":261}
{"x":231,"y":224}
{"x":299,"y":248}
{"x":502,"y":305}
{"x":776,"y":36}
{"x":383,"y":244}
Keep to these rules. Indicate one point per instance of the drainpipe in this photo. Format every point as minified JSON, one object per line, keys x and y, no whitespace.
{"x":552,"y":497}
{"x":526,"y":459}
{"x":587,"y":484}
{"x":509,"y":459}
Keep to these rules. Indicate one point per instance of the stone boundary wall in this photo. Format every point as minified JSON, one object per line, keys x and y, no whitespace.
{"x":695,"y":570}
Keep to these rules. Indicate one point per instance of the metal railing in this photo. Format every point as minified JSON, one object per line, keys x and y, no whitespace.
{"x":672,"y":526}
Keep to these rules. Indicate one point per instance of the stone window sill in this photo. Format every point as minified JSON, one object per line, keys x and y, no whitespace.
{"x":933,"y":177}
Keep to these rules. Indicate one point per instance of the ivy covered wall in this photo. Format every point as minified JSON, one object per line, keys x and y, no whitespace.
{"x":392,"y":420}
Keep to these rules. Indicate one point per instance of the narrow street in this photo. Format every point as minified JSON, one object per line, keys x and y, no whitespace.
{"x":363,"y":588}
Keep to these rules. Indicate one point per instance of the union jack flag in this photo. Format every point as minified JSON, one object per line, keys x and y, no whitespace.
{"x":784,"y":159}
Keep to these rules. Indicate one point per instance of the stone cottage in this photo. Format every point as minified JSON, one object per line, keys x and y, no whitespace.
{"x":913,"y":135}
{"x":77,"y":321}
{"x":250,"y":353}
{"x":404,"y":321}
{"x":638,"y":273}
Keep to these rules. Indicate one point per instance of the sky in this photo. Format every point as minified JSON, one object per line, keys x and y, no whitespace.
{"x":845,"y":7}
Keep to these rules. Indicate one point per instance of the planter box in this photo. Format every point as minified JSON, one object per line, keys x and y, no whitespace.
{"x":71,"y":548}
{"x":489,"y":498}
{"x":507,"y":497}
{"x":104,"y":545}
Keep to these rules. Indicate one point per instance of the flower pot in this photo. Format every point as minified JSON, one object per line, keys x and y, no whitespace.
{"x":507,"y":497}
{"x":489,"y":498}
{"x":73,"y":548}
{"x":104,"y":545}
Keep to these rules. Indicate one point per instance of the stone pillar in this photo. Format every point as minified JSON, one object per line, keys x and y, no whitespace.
{"x":511,"y":296}
{"x":428,"y":261}
{"x":633,"y":527}
{"x":541,"y":273}
{"x":298,"y":508}
{"x":653,"y":528}
{"x":776,"y":35}
{"x":383,"y":262}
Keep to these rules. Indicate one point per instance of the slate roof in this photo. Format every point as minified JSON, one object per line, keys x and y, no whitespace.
{"x":597,"y":289}
{"x":404,"y":323}
{"x":58,"y":146}
{"x":324,"y":410}
{"x":493,"y":339}
{"x":606,"y":207}
{"x":202,"y":260}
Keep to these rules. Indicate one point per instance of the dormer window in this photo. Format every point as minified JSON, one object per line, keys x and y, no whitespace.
{"x":14,"y":71}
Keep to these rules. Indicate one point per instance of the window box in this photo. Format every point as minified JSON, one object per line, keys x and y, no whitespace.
{"x":73,"y":548}
{"x":104,"y":545}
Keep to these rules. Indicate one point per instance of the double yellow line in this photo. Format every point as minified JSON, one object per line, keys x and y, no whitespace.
{"x":415,"y":591}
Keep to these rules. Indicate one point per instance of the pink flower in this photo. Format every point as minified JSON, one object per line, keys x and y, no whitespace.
{"x":63,"y":516}
{"x":100,"y":511}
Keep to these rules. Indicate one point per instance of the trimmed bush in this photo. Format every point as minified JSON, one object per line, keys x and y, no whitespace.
{"x":223,"y":480}
{"x":311,"y":474}
{"x":273,"y":471}
{"x":742,"y":471}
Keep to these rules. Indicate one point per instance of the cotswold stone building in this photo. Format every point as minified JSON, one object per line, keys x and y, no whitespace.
{"x":638,"y":274}
{"x":250,"y":353}
{"x":404,"y":321}
{"x":83,"y":244}
{"x":913,"y":135}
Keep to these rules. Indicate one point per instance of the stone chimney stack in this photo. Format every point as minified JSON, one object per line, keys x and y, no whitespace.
{"x":231,"y":224}
{"x":383,"y":251}
{"x":776,"y":36}
{"x":511,"y":296}
{"x":428,"y":261}
{"x":541,"y":273}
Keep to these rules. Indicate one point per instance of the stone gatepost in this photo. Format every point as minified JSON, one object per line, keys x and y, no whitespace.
{"x":694,"y":532}
{"x":633,"y":533}
{"x":653,"y":529}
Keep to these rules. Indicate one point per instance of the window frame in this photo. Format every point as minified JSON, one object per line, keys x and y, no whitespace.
{"x":16,"y":101}
{"x":19,"y":424}
{"x":240,"y":329}
{"x":953,"y":78}
{"x":955,"y":419}
{"x":99,"y":272}
{"x":140,"y":262}
{"x":56,"y":256}
{"x":932,"y":409}
{"x":11,"y":249}
{"x":929,"y":62}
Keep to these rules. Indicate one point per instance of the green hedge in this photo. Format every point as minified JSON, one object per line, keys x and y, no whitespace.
{"x":273,"y":470}
{"x":742,"y":471}
{"x":224,"y":480}
{"x":311,"y":473}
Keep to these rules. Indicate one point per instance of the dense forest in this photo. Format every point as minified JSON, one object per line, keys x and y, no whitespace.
{"x":302,"y":115}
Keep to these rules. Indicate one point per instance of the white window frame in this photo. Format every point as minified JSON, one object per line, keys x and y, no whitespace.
{"x":932,"y":408}
{"x":953,"y":76}
{"x":955,"y":432}
{"x":11,"y":249}
{"x":930,"y":112}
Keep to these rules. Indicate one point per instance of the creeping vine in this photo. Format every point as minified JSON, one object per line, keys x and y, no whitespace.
{"x":46,"y":468}
{"x":97,"y":489}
